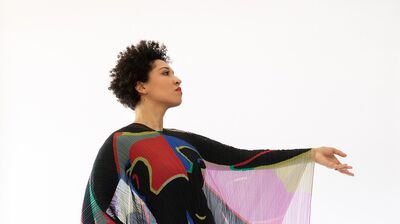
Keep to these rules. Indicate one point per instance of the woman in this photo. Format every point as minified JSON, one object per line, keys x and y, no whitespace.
{"x":145,"y":173}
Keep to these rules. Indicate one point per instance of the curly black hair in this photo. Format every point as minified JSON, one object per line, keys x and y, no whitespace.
{"x":133,"y":65}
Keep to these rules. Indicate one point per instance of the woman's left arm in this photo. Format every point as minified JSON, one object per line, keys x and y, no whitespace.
{"x":219,"y":153}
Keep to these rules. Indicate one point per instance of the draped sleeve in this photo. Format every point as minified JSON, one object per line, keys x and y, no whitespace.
{"x":255,"y":186}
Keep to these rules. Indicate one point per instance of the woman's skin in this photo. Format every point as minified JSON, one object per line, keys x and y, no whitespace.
{"x":160,"y":93}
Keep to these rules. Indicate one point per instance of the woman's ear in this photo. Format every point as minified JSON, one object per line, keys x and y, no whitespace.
{"x":140,"y":87}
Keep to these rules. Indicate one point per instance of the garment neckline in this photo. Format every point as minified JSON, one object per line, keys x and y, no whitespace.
{"x":145,"y":126}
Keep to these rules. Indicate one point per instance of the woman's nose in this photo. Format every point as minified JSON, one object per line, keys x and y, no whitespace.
{"x":178,"y":81}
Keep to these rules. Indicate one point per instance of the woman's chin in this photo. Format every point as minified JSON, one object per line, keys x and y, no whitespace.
{"x":175,"y":104}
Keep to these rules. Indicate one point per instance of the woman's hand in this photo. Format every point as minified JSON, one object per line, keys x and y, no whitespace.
{"x":326,"y":157}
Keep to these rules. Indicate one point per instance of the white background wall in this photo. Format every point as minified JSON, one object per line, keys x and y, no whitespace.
{"x":256,"y":74}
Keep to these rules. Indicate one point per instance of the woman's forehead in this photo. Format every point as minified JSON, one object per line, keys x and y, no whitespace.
{"x":160,"y":63}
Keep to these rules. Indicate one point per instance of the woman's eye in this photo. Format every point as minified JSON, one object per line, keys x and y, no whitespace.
{"x":166,"y":72}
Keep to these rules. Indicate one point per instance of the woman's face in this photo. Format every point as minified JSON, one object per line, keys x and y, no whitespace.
{"x":162,"y":86}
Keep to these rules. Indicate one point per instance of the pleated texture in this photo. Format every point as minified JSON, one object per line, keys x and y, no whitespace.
{"x":273,"y":194}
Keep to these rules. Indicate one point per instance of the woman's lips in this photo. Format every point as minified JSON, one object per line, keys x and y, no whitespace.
{"x":179,"y":89}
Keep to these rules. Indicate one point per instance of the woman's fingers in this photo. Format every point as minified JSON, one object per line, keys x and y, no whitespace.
{"x":342,"y":166}
{"x":340,"y":153}
{"x":345,"y":171}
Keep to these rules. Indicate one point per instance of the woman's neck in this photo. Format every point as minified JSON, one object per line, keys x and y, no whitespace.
{"x":150,"y":116}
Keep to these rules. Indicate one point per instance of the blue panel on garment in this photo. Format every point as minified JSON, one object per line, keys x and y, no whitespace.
{"x":190,"y":220}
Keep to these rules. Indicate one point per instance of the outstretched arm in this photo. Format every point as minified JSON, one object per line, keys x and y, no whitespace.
{"x":219,"y":153}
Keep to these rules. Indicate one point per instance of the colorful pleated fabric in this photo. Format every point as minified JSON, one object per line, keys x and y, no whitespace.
{"x":145,"y":176}
{"x":274,"y":194}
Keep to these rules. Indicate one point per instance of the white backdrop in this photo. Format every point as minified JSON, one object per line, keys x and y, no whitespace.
{"x":255,"y":74}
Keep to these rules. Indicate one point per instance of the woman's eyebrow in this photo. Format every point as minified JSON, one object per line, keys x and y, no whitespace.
{"x":168,"y":68}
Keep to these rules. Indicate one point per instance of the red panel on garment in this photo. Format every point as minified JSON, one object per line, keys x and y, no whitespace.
{"x":162,"y":162}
